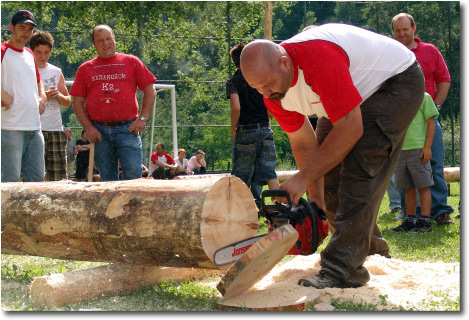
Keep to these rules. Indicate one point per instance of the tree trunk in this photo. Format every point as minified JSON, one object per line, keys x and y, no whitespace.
{"x":178,"y":223}
{"x":60,"y":289}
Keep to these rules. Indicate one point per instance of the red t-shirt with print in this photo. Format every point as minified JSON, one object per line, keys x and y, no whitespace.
{"x":110,"y":86}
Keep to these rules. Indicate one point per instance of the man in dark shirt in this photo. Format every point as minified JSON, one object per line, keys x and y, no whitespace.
{"x":254,"y":156}
{"x":83,"y":157}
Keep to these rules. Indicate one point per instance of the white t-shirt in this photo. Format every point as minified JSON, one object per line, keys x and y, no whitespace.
{"x":336,"y":67}
{"x":51,"y":119}
{"x":19,"y":79}
{"x":182,"y":165}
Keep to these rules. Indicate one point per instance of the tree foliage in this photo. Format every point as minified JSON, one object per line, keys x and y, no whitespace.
{"x":187,"y":43}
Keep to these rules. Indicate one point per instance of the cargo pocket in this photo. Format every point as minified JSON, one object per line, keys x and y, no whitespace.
{"x":374,"y":148}
{"x":268,"y":150}
{"x":246,"y":152}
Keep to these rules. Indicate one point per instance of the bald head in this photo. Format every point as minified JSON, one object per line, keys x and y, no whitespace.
{"x":266,"y":66}
{"x":260,"y":54}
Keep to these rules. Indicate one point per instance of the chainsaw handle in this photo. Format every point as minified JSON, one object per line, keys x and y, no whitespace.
{"x":276,"y":193}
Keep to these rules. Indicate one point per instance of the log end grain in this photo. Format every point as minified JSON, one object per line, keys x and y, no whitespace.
{"x":229,"y":214}
{"x":257,"y":261}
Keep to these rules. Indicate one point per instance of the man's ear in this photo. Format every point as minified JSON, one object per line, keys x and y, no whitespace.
{"x":285,"y":62}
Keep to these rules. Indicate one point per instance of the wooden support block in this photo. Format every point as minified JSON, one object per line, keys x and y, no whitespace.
{"x":258,"y":260}
{"x":61,"y":289}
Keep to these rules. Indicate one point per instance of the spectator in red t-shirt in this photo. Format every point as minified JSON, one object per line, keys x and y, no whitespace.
{"x":161,"y":163}
{"x":108,"y":84}
{"x":437,"y":83}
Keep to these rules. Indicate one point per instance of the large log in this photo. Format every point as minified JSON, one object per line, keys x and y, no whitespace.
{"x":60,"y":289}
{"x":176,"y":223}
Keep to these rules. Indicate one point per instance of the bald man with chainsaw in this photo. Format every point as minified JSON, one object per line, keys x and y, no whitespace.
{"x":366,"y":89}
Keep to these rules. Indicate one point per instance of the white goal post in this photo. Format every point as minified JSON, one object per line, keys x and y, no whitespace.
{"x":159,"y":88}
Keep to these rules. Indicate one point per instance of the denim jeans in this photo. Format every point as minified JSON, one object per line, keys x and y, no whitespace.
{"x":22,"y":151}
{"x":254,"y":159}
{"x":439,"y":189}
{"x":118,"y":143}
{"x":393,"y":195}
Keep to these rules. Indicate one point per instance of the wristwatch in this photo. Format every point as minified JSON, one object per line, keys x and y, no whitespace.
{"x":438,"y":107}
{"x":143,"y":118}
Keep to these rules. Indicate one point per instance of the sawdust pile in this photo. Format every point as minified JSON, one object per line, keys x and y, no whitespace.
{"x":394,"y":283}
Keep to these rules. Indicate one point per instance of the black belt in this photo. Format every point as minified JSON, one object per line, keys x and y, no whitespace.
{"x":113,"y":123}
{"x":242,"y":127}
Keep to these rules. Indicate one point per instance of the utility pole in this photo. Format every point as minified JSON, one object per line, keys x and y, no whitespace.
{"x":268,"y":21}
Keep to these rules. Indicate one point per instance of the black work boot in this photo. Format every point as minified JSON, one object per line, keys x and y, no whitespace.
{"x":324,"y":280}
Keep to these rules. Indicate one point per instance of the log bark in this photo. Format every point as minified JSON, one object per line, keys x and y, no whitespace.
{"x":61,"y":289}
{"x":257,"y":261}
{"x":176,"y":223}
{"x":452,"y":174}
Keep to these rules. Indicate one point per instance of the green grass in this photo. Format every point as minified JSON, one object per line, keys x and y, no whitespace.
{"x":443,"y":244}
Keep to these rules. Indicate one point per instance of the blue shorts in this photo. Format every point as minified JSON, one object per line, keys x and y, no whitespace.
{"x":254,"y":153}
{"x":411,"y":172}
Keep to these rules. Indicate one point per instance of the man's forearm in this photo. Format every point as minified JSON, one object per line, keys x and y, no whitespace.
{"x":80,"y":112}
{"x":148,"y":101}
{"x":41,"y":90}
{"x":235,"y":112}
{"x":7,"y":99}
{"x":442,"y":89}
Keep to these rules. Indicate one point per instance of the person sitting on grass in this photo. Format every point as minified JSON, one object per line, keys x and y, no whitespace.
{"x":413,"y":169}
{"x":197,"y":163}
{"x":161,"y":163}
{"x":182,"y":163}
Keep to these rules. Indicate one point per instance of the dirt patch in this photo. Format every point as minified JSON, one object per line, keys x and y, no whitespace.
{"x":393,"y":284}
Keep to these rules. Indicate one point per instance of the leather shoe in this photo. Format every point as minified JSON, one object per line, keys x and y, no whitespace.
{"x":324,"y":280}
{"x":444,"y":218}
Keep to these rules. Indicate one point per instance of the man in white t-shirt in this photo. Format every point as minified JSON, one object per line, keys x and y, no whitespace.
{"x":23,"y":100}
{"x":366,"y":89}
{"x":55,"y":140}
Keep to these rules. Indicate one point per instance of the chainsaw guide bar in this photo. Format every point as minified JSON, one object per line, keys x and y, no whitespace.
{"x":234,"y":251}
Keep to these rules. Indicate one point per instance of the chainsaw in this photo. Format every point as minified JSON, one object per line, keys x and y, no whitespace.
{"x":306,"y":218}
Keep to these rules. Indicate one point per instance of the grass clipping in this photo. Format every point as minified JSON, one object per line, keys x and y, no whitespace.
{"x":393,"y":284}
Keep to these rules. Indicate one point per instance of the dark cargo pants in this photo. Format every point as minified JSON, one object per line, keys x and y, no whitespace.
{"x":355,"y":188}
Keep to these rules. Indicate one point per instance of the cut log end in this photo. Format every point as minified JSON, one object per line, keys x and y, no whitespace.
{"x":270,"y":300}
{"x":257,"y":261}
{"x":227,"y":215}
